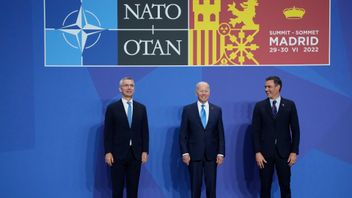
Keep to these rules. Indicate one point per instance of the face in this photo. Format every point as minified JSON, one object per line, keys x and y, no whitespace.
{"x":127,"y":88}
{"x":203,"y":92}
{"x":272,"y":90}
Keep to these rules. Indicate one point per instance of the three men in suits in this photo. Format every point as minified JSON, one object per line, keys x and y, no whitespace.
{"x":126,"y":140}
{"x":202,"y":141}
{"x":276,"y":137}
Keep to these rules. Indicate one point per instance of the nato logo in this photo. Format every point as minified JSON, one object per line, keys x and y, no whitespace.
{"x":80,"y":33}
{"x":115,"y":33}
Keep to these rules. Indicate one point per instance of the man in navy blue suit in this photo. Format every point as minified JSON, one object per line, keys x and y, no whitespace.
{"x":276,"y":137}
{"x":202,"y":141}
{"x":126,"y":140}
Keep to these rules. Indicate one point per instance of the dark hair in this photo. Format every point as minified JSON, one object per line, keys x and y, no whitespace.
{"x":276,"y":79}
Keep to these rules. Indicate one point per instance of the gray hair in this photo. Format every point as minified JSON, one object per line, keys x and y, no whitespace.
{"x":202,"y":83}
{"x":125,"y":78}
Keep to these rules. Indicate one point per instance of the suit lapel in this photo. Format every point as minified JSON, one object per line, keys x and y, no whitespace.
{"x":211,"y":114}
{"x":281,"y":106}
{"x":196,"y":113}
{"x":122,"y":110}
{"x":268,"y":108}
{"x":134,"y":113}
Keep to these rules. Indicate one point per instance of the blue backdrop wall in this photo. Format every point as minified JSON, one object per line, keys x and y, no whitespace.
{"x":51,"y":119}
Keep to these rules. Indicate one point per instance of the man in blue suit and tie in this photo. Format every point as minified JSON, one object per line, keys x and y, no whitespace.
{"x":126,"y":140}
{"x":276,"y":137}
{"x":202,"y":141}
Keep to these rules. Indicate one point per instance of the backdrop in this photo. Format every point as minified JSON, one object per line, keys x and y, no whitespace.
{"x":51,"y":119}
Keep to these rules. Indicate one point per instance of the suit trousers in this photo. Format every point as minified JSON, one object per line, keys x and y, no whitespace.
{"x":283,"y":171}
{"x":126,"y":170}
{"x":196,"y":170}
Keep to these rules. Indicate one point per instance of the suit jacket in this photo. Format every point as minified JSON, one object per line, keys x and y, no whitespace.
{"x":281,"y":132}
{"x":117,"y":132}
{"x":198,"y":141}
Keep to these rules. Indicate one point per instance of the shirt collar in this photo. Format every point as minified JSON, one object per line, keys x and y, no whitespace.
{"x":278,"y":100}
{"x":125,"y":101}
{"x":200,"y":104}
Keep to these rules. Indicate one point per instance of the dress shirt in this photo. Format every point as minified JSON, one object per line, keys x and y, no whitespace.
{"x":125,"y":105}
{"x":206,"y":107}
{"x":278,"y":100}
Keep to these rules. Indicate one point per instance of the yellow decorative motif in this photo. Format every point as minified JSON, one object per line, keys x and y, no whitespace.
{"x":246,"y":15}
{"x":294,"y":13}
{"x":234,"y":40}
{"x":239,"y":49}
{"x":206,"y":19}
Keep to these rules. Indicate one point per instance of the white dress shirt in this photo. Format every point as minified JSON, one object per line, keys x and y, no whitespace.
{"x":278,"y":101}
{"x":125,"y":106}
{"x":206,"y":107}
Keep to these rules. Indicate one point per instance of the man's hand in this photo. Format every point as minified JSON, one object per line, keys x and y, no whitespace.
{"x":144,"y":157}
{"x":219,"y":159}
{"x":292,"y":159}
{"x":186,"y":159}
{"x":260,"y":160}
{"x":109,"y":159}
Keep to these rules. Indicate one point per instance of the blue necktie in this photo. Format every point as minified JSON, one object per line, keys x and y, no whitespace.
{"x":129,"y":113}
{"x":203,"y":116}
{"x":274,"y":109}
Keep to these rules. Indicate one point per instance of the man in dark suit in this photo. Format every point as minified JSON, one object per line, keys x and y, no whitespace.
{"x":276,"y":137}
{"x":126,"y":140}
{"x":202,"y":141}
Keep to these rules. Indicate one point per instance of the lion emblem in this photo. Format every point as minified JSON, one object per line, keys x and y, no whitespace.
{"x":245,"y":15}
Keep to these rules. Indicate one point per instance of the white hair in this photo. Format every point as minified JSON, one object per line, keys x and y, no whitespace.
{"x":125,"y":78}
{"x":202,"y":83}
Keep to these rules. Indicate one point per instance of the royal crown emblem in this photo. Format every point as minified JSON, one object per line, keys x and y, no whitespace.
{"x":294,"y":13}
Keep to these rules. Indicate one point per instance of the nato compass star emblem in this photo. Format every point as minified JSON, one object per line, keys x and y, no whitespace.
{"x":76,"y":34}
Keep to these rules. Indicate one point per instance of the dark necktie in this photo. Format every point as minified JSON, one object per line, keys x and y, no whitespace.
{"x":274,"y":109}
